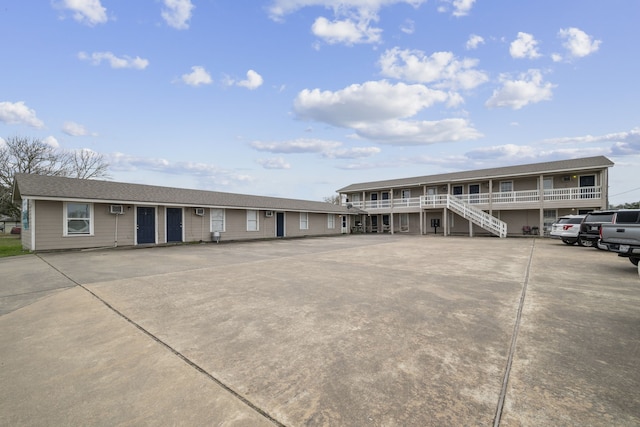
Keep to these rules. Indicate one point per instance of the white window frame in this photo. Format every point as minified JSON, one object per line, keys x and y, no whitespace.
{"x":253,"y":223}
{"x":510,"y":190}
{"x":331,"y":221}
{"x":66,"y":219}
{"x":545,"y":180}
{"x":218,"y":220}
{"x":405,"y":194}
{"x":304,"y":221}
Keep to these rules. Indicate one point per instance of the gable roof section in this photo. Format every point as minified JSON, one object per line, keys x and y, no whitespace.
{"x":502,"y":172}
{"x":59,"y":188}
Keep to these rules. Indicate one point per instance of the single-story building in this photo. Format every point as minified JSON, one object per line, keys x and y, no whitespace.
{"x":69,"y":213}
{"x":501,"y":201}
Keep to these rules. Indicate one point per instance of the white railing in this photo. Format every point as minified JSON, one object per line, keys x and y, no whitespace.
{"x":527,"y":196}
{"x":477,"y":216}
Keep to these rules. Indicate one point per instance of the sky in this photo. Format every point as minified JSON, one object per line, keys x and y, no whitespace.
{"x":298,"y":98}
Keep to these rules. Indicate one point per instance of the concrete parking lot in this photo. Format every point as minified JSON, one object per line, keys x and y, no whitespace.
{"x":366,"y":330}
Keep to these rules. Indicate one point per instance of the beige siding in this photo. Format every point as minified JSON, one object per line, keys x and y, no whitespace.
{"x":49,"y":228}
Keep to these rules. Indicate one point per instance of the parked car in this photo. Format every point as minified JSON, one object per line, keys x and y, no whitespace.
{"x":567,"y":228}
{"x":590,"y":228}
{"x":623,"y":235}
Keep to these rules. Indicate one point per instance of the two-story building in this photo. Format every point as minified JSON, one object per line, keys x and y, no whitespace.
{"x":507,"y":200}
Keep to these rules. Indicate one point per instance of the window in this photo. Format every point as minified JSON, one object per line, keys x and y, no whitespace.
{"x":406,"y":194}
{"x":506,"y":186}
{"x":547,"y":183}
{"x":217,"y":219}
{"x":331,"y":221}
{"x":252,"y":220}
{"x":304,"y":221}
{"x":77,"y":221}
{"x":457,"y":190}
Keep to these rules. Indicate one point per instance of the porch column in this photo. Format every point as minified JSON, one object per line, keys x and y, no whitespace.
{"x":604,"y":189}
{"x":421,"y":221}
{"x":491,"y":197}
{"x":541,"y":213}
{"x":445,"y":222}
{"x":470,"y":228}
{"x":391,"y":225}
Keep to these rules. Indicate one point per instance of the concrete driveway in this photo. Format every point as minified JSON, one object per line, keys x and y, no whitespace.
{"x":367,"y":330}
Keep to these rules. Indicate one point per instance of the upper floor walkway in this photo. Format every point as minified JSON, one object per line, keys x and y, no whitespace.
{"x":588,"y":197}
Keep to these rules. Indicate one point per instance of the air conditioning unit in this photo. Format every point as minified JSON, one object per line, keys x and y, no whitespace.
{"x":268,"y":214}
{"x":566,"y":178}
{"x":199,"y":211}
{"x":116,"y":209}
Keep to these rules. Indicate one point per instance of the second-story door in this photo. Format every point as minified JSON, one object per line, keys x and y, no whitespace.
{"x":474,"y":190}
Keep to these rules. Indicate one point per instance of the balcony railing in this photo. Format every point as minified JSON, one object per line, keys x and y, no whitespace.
{"x":512,"y":197}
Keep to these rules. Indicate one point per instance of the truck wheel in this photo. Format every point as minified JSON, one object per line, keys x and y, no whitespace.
{"x":568,"y":242}
{"x":634,"y":261}
{"x":585,"y":242}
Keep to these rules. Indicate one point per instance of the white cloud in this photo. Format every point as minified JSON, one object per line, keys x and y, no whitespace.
{"x":50,"y":140}
{"x":529,"y":88}
{"x":301,"y":145}
{"x":75,"y":129}
{"x":198,"y":76}
{"x":462,"y":7}
{"x":115,"y":62}
{"x":352,"y":153}
{"x":525,"y":46}
{"x":274,"y":163}
{"x":328,"y":149}
{"x":88,"y":12}
{"x":441,"y":68}
{"x":500,"y":151}
{"x":369,"y":102}
{"x":209,"y":172}
{"x":345,"y":31}
{"x":253,"y":81}
{"x":352,"y":18}
{"x":578,"y":43}
{"x":408,"y":27}
{"x":376,"y":110}
{"x":474,"y":41}
{"x":406,"y":132}
{"x":623,"y":143}
{"x":280,"y":8}
{"x":14,"y":113}
{"x":177,"y":13}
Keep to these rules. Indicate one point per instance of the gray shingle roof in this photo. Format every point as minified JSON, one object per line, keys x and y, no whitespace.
{"x":59,"y":188}
{"x":508,"y":171}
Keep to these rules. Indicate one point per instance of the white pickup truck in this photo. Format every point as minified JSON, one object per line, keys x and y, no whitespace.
{"x":623,"y":235}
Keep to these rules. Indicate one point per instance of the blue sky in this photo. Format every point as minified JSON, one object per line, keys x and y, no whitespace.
{"x":297,"y":98}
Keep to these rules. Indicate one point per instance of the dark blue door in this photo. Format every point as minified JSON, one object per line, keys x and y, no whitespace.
{"x":174,"y":225}
{"x":146,"y":225}
{"x":279,"y":224}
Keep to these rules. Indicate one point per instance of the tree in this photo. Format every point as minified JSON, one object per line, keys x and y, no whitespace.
{"x":87,"y":164}
{"x":32,"y":155}
{"x":335,"y":199}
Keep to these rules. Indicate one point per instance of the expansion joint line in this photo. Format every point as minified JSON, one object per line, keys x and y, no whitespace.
{"x":514,"y":339}
{"x":172,"y":350}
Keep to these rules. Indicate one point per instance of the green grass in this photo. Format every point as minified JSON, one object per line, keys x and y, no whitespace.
{"x":10,"y":245}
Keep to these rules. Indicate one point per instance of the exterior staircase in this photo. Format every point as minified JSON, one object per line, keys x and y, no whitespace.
{"x":477,"y":216}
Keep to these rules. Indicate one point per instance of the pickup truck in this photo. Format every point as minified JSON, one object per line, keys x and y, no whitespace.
{"x":622,"y":235}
